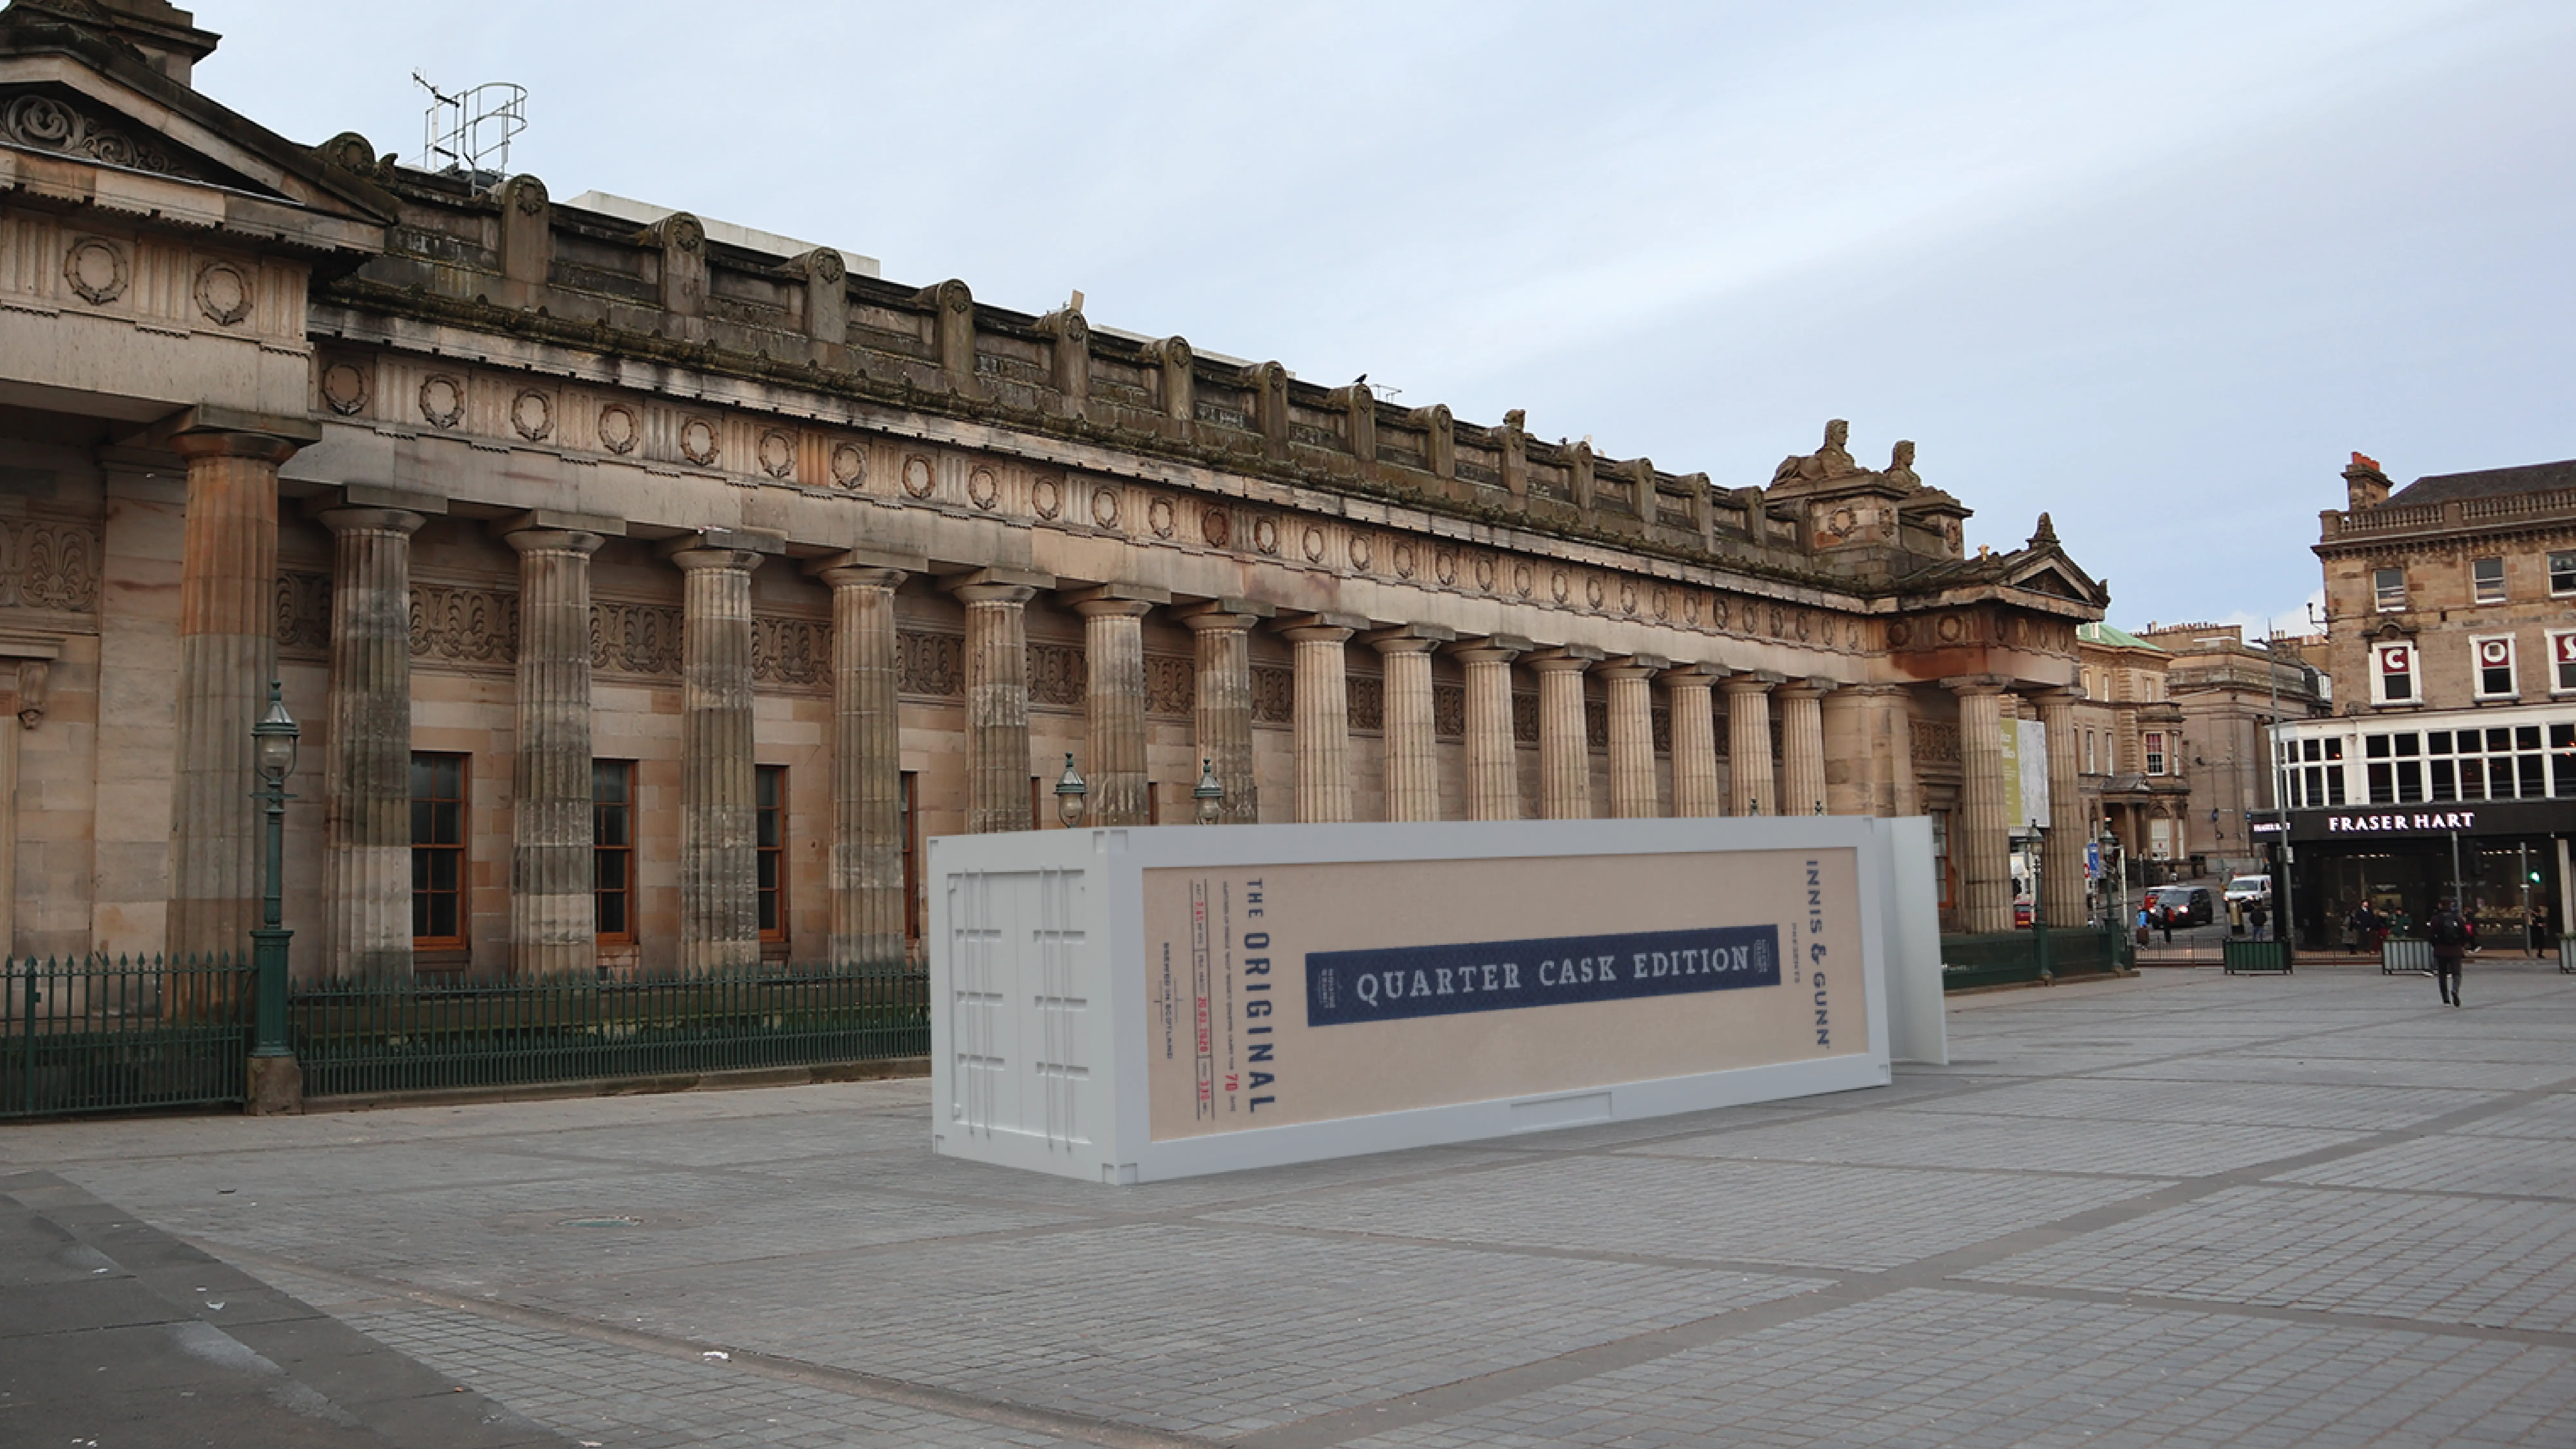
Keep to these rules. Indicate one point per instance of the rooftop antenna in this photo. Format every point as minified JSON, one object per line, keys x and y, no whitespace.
{"x":468,"y":134}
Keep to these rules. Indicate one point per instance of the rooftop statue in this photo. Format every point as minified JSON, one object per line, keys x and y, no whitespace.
{"x":1833,"y":460}
{"x":1900,"y":466}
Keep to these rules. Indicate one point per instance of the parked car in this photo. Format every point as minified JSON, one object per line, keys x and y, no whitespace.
{"x":2191,"y":905}
{"x":2247,"y":889}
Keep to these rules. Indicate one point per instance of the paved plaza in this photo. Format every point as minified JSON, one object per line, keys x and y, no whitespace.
{"x":2185,"y":1210}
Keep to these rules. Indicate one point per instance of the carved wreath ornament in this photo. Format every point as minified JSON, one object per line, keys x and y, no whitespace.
{"x":223,"y":293}
{"x":95,"y":270}
{"x":442,"y":401}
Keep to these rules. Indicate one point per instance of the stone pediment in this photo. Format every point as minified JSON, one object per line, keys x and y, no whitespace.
{"x":69,"y":92}
{"x":2056,"y":581}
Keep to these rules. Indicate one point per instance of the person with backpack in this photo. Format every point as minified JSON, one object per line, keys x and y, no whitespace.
{"x":2451,"y":934}
{"x":2256,"y":917}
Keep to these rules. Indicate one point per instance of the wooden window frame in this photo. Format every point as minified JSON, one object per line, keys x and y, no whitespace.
{"x":624,"y":854}
{"x":910,"y":826}
{"x":769,"y":850}
{"x":460,"y":849}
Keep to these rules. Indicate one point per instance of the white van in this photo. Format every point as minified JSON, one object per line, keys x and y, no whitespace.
{"x":2247,"y":889}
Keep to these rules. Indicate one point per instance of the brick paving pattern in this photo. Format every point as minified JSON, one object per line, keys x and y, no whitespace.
{"x":2189,"y":1210}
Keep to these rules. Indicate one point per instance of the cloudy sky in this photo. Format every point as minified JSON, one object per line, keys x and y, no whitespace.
{"x":2157,"y":269}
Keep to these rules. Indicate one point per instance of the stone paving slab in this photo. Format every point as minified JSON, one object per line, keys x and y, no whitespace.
{"x":2414,"y":1256}
{"x":1922,"y":1367}
{"x":2184,"y":1209}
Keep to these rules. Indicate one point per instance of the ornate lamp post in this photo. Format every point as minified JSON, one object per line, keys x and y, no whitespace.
{"x":1209,"y":794}
{"x":1069,"y":791}
{"x":273,"y":756}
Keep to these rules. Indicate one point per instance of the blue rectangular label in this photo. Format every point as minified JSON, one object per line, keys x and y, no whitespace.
{"x":1409,"y":981}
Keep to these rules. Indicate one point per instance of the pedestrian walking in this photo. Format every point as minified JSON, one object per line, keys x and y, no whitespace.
{"x":2164,"y":917}
{"x":2451,"y":935}
{"x":2255,"y":917}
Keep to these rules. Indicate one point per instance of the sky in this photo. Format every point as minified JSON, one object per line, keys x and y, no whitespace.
{"x":2157,"y":270}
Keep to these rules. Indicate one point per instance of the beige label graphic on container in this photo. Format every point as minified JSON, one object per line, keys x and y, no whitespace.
{"x":1307,"y":993}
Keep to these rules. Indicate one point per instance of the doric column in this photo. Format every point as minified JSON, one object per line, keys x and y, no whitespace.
{"x":1493,"y":756}
{"x":1748,"y":741}
{"x":366,"y":776}
{"x":719,"y":783}
{"x":1695,"y":788}
{"x":227,"y":655}
{"x":1564,"y":745}
{"x":997,"y":699}
{"x":1632,"y":736}
{"x":2061,"y":865}
{"x":1224,"y":677}
{"x":865,"y":874}
{"x":1802,"y":746}
{"x":554,"y":920}
{"x":1412,"y":759}
{"x":1323,"y":717}
{"x":1113,"y":651}
{"x":1869,"y":751}
{"x":1981,"y":844}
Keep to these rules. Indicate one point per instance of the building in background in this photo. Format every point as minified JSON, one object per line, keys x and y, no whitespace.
{"x":2136,"y":783}
{"x":2450,"y":760}
{"x":2228,"y":694}
{"x":651,"y":588}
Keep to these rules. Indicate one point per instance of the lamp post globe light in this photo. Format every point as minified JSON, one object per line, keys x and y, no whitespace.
{"x":1209,"y":794}
{"x":273,"y":742}
{"x":1069,"y":791}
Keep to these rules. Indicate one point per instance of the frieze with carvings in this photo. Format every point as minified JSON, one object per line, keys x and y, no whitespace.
{"x":304,"y":613}
{"x":1525,"y":719}
{"x":930,"y":666}
{"x":453,"y":625}
{"x":1449,"y":711}
{"x":1171,"y":686}
{"x":1274,"y":695}
{"x":48,"y":124}
{"x":1367,"y":698}
{"x":1936,"y":742}
{"x":1659,"y":722}
{"x":791,"y":652}
{"x":1057,"y":675}
{"x":50,"y":566}
{"x":628,"y":638}
{"x":1596,"y":724}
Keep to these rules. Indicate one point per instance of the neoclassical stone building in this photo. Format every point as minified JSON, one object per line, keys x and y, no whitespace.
{"x":649,"y":592}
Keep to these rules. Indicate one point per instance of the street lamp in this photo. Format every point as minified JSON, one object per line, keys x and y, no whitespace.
{"x":1209,"y":794}
{"x":273,"y":757}
{"x":1069,"y":791}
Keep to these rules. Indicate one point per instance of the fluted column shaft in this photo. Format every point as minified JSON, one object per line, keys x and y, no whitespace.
{"x":1802,"y":749}
{"x":1493,"y":756}
{"x":1632,"y":742}
{"x":1982,"y":843}
{"x":1748,"y":743}
{"x":366,"y":776}
{"x":1564,"y":751}
{"x":1224,"y":729}
{"x":1323,"y":723}
{"x":2061,"y":865}
{"x":866,"y":868}
{"x":227,"y":655}
{"x":1113,"y":647}
{"x":1412,"y":760}
{"x":997,"y":706}
{"x":1695,"y":788}
{"x":554,"y":919}
{"x":719,"y":781}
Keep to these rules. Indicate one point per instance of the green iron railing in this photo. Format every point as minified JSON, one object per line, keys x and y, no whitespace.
{"x":2254,"y":958}
{"x":367,"y":1037}
{"x":2003,"y":958}
{"x":105,"y":1034}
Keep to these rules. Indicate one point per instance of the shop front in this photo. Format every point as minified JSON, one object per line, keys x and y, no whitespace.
{"x":2506,"y":860}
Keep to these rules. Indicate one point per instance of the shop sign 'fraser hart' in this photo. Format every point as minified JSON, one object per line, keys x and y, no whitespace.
{"x":1295,"y":1008}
